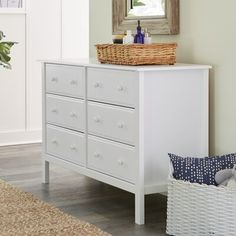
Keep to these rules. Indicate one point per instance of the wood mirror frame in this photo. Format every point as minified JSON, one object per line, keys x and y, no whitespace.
{"x":166,"y":25}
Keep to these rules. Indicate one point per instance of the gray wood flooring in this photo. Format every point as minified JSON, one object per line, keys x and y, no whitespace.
{"x":107,"y":207}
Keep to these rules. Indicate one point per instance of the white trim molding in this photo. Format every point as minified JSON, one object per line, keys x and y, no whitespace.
{"x":20,"y":137}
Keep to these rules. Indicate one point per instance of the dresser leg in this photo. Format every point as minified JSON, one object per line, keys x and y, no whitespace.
{"x":45,"y":172}
{"x":139,"y":209}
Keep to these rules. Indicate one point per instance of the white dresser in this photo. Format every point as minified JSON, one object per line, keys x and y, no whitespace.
{"x":117,"y":124}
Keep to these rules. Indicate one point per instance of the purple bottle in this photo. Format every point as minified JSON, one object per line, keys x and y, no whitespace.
{"x":139,"y":37}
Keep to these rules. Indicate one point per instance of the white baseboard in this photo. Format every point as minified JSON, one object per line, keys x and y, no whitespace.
{"x":157,"y":188}
{"x":20,"y":137}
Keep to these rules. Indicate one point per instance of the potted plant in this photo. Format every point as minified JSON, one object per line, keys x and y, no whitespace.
{"x":5,"y":49}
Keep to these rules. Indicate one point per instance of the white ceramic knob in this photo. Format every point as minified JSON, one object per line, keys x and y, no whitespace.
{"x":73,"y":82}
{"x":54,"y":110}
{"x":97,"y":119}
{"x":120,"y":162}
{"x":73,"y":114}
{"x":54,"y":141}
{"x":73,"y":147}
{"x":121,"y":88}
{"x":54,"y":79}
{"x":97,"y":85}
{"x":97,"y":155}
{"x":120,"y":125}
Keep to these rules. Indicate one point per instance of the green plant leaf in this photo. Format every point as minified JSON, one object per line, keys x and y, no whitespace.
{"x":1,"y":35}
{"x":5,"y":49}
{"x":138,"y":3}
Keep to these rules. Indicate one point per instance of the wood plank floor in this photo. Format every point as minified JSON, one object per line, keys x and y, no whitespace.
{"x":107,"y":207}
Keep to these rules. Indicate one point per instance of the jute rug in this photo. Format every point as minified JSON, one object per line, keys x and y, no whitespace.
{"x":23,"y":214}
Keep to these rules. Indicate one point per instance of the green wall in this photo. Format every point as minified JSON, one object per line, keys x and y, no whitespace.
{"x":207,"y":36}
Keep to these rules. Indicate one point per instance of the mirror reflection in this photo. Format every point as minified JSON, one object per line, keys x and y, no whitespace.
{"x":10,"y":3}
{"x":146,"y":8}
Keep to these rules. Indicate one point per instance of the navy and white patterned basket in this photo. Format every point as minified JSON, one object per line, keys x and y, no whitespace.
{"x":199,"y":209}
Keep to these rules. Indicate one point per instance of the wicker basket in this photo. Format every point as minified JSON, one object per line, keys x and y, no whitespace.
{"x":137,"y":54}
{"x":195,"y":209}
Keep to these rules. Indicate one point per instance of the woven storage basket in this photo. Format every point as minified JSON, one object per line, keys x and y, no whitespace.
{"x":137,"y":54}
{"x":195,"y":209}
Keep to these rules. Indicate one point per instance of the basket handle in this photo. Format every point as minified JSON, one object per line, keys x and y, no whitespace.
{"x":171,"y":170}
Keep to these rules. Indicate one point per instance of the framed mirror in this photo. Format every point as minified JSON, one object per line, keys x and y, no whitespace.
{"x":158,"y":16}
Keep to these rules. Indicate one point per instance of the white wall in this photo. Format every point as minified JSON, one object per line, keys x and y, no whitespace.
{"x":49,"y":29}
{"x":100,"y":15}
{"x":75,"y":29}
{"x":12,"y":82}
{"x":207,"y":35}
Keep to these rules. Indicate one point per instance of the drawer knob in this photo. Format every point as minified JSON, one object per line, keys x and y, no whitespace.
{"x":54,"y":141}
{"x":73,"y":115}
{"x":97,"y":85}
{"x":120,"y":162}
{"x":97,"y":155}
{"x":97,"y":119}
{"x":54,"y":110}
{"x":73,"y":147}
{"x":73,"y":82}
{"x":121,"y":88}
{"x":54,"y":79}
{"x":120,"y":125}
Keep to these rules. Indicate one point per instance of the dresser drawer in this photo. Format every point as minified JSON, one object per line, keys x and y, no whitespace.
{"x":116,"y":123}
{"x":112,"y":158}
{"x":113,"y":86}
{"x":65,"y":80}
{"x":65,"y":144}
{"x":66,"y":112}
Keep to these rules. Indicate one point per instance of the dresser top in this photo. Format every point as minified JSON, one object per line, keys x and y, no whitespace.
{"x":91,"y":62}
